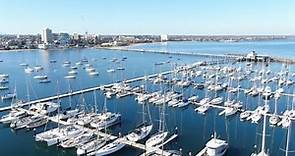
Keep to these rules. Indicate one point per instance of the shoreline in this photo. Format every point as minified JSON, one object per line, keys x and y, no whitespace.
{"x":132,"y":45}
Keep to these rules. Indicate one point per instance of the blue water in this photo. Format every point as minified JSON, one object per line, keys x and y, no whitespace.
{"x":275,"y":47}
{"x":194,"y":129}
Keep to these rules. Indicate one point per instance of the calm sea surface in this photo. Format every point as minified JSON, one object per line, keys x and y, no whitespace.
{"x":194,"y":129}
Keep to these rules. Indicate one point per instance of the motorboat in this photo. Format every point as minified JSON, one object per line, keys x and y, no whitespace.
{"x":12,"y":115}
{"x":44,"y":107}
{"x":36,"y":121}
{"x":214,"y":147}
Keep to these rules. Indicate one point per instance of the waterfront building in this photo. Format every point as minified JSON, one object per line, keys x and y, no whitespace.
{"x":47,"y":36}
{"x":164,"y":38}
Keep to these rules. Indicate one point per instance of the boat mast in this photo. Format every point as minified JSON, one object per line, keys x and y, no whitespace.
{"x":288,"y":138}
{"x":70,"y":96}
{"x":264,"y":129}
{"x":95,"y":102}
{"x":58,"y":103}
{"x":28,"y":91}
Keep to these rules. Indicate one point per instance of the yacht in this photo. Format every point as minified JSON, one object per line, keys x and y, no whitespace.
{"x":156,"y":139}
{"x":245,"y":114}
{"x":3,"y":80}
{"x":91,"y":147}
{"x":70,"y":77}
{"x":230,"y":111}
{"x":285,"y":122}
{"x":54,"y":136}
{"x":84,"y":119}
{"x":3,"y":88}
{"x":203,"y":108}
{"x":93,"y":73}
{"x":44,"y":107}
{"x":204,"y":101}
{"x":72,"y":72}
{"x":29,"y":70}
{"x":90,"y":69}
{"x":106,"y":119}
{"x":183,"y":103}
{"x":40,"y":77}
{"x":214,"y":147}
{"x":193,"y":98}
{"x":12,"y":115}
{"x":216,"y":101}
{"x":274,"y":119}
{"x":111,"y":70}
{"x":173,"y":103}
{"x":8,"y":96}
{"x":79,"y":140}
{"x":140,"y":132}
{"x":66,"y":63}
{"x":36,"y":121}
{"x":45,"y":81}
{"x":24,"y":64}
{"x":111,"y":147}
{"x":38,"y":68}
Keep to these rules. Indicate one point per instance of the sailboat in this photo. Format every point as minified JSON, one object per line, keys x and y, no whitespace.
{"x":162,"y":134}
{"x":59,"y":134}
{"x":79,"y":140}
{"x":105,"y":119}
{"x":142,"y":130}
{"x":111,"y":147}
{"x":91,"y":147}
{"x":274,"y":119}
{"x":14,"y":114}
{"x":263,"y":150}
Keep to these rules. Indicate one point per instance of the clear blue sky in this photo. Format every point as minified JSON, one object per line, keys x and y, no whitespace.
{"x":149,"y":16}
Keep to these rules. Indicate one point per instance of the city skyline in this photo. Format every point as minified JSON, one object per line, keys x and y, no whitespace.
{"x":265,"y":17}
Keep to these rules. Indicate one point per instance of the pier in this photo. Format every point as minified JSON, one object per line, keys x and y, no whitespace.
{"x":228,"y":56}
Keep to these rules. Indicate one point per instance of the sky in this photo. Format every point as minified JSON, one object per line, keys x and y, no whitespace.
{"x":195,"y":17}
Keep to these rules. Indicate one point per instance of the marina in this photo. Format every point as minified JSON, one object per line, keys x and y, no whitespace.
{"x":178,"y":92}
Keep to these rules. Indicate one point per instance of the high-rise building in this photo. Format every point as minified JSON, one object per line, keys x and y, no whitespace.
{"x":47,"y":36}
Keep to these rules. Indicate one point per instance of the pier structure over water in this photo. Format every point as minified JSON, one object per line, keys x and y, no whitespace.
{"x":250,"y":57}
